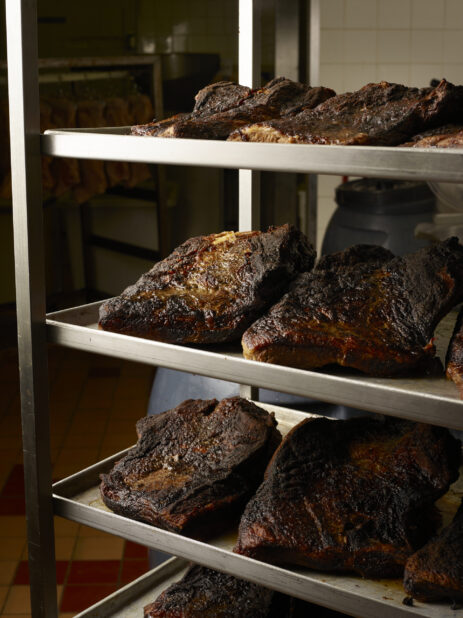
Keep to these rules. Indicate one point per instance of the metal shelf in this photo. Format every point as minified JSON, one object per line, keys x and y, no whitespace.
{"x":116,"y":144}
{"x":77,"y":498}
{"x":433,"y":400}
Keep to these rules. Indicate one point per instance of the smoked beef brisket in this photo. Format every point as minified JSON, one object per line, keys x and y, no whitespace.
{"x":377,"y":318}
{"x":211,"y":288}
{"x":194,"y":466}
{"x":204,"y":593}
{"x":223,"y":107}
{"x":454,"y":359}
{"x":354,"y":495}
{"x":448,"y":136}
{"x":378,"y":114}
{"x":435,"y":572}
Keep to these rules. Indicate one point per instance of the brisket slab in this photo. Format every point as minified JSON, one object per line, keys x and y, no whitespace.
{"x":379,"y":319}
{"x":211,"y":288}
{"x":448,"y":136}
{"x":454,"y":359}
{"x":222,"y":108}
{"x":354,"y":495}
{"x":204,"y":593}
{"x":212,"y":99}
{"x":378,"y":114}
{"x":435,"y":572}
{"x":194,"y":466}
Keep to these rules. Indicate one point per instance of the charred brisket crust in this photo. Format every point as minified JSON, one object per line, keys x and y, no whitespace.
{"x":357,"y":254}
{"x":212,"y":99}
{"x":211,"y":288}
{"x":378,"y":114}
{"x":223,"y":107}
{"x":379,"y":320}
{"x":435,"y":572}
{"x":440,"y":137}
{"x":279,"y":97}
{"x":454,"y":358}
{"x":353,"y":495}
{"x":204,"y":593}
{"x":194,"y":467}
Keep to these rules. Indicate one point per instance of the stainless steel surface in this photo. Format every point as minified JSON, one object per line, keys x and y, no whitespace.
{"x":21,"y":22}
{"x":249,"y":200}
{"x":77,"y":498}
{"x":249,"y":70}
{"x":249,"y":392}
{"x":249,"y":43}
{"x":129,"y":601}
{"x":312,"y":208}
{"x":441,"y":164}
{"x":433,"y":400}
{"x":313,"y":47}
{"x":287,"y":39}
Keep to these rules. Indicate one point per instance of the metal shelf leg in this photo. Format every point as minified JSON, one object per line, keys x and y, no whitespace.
{"x":21,"y":21}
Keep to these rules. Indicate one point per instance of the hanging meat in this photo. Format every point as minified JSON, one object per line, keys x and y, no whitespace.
{"x":64,"y":169}
{"x":92,"y":172}
{"x":140,"y":111}
{"x":117,"y":114}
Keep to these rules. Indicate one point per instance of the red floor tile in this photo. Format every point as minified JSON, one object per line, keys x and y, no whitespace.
{"x":133,"y":550}
{"x":131,"y":569}
{"x":14,"y":485}
{"x":22,"y":574}
{"x":78,"y":597}
{"x":12,"y":505}
{"x":94,"y":572}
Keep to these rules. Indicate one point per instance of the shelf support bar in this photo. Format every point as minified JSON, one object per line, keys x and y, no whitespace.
{"x":21,"y":22}
{"x":313,"y":78}
{"x":249,"y":70}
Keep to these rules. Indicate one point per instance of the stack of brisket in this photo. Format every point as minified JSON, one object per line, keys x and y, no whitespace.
{"x":361,"y":308}
{"x":343,"y":496}
{"x":285,"y":111}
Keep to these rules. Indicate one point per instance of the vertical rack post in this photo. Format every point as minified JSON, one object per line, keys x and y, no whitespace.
{"x":23,"y":91}
{"x":313,"y":78}
{"x":249,"y":71}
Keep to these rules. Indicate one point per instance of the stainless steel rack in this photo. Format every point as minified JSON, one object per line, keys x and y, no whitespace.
{"x":429,"y":400}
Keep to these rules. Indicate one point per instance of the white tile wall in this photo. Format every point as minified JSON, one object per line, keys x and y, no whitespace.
{"x":394,"y":14}
{"x":360,"y":14}
{"x":405,"y":41}
{"x":428,"y":14}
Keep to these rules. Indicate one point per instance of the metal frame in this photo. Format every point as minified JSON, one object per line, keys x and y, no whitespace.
{"x":438,"y":403}
{"x":431,"y":400}
{"x":21,"y":21}
{"x":437,"y":164}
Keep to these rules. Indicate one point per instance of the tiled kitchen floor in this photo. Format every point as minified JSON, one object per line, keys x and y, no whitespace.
{"x":94,"y":403}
